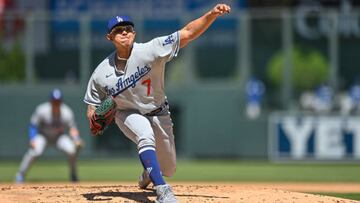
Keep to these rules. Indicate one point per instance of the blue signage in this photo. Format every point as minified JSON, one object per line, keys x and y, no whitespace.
{"x":315,"y":137}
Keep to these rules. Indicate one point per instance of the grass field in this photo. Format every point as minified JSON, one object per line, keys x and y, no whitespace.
{"x":224,"y":171}
{"x":354,"y":196}
{"x":234,"y":171}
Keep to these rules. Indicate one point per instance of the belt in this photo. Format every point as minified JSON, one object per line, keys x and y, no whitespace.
{"x":162,"y":110}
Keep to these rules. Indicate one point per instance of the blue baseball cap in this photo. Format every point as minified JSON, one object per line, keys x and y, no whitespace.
{"x":56,"y":94}
{"x":119,"y":20}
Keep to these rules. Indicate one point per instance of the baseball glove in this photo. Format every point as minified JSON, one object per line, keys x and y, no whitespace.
{"x":103,"y":116}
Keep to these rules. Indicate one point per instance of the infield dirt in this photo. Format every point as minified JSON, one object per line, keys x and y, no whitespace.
{"x":185,"y":192}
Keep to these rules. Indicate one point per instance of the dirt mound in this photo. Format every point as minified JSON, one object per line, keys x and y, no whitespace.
{"x":185,"y":192}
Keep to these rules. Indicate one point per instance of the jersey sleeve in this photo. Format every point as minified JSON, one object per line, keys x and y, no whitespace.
{"x":94,"y":94}
{"x":167,"y":46}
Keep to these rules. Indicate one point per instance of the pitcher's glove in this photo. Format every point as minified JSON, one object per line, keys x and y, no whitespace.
{"x":103,"y":116}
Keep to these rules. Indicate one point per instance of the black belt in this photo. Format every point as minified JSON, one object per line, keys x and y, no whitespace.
{"x":162,"y":110}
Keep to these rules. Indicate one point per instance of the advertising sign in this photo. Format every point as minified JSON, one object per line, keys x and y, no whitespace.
{"x":314,"y":137}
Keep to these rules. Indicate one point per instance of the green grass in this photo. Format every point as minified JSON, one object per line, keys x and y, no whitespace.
{"x":353,"y":196}
{"x":229,"y":171}
{"x":267,"y":172}
{"x":226,"y":171}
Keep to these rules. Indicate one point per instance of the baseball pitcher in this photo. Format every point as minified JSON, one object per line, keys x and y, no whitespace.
{"x":128,"y":86}
{"x":49,"y":125}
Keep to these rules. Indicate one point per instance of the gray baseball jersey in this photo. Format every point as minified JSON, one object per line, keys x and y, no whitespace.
{"x":141,"y":85}
{"x":49,"y":127}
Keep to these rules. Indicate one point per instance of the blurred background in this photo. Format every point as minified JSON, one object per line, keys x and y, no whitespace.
{"x":274,"y":80}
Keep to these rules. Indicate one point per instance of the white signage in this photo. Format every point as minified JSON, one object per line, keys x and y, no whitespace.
{"x":311,"y":137}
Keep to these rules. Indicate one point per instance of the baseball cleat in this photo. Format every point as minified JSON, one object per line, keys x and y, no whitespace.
{"x":19,"y":178}
{"x":144,"y":180}
{"x":165,"y":194}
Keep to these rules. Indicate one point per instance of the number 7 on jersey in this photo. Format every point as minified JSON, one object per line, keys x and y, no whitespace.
{"x":147,"y":82}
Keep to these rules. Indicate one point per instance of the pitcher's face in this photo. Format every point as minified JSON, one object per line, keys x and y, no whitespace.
{"x":122,"y":36}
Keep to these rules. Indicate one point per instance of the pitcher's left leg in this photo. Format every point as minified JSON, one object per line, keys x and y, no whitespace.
{"x":138,"y":128}
{"x":165,"y":144}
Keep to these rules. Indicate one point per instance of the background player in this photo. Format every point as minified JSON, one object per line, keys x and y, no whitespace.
{"x":134,"y":76}
{"x":48,"y":125}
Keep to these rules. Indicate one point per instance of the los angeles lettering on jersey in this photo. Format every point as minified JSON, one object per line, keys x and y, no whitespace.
{"x":130,"y":81}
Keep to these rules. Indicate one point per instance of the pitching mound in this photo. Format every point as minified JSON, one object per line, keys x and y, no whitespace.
{"x":185,"y":192}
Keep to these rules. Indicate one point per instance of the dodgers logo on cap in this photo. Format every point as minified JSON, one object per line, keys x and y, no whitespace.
{"x":119,"y":19}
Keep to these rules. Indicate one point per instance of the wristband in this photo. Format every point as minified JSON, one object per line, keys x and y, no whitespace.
{"x":32,"y":131}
